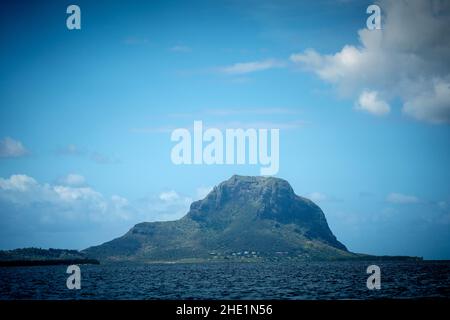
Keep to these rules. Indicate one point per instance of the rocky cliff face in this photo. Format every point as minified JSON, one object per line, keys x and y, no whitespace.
{"x":243,"y":217}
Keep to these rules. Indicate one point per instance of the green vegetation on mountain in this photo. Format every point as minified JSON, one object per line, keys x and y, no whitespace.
{"x":243,"y":218}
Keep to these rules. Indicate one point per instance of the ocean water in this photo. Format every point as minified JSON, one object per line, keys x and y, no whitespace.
{"x":311,"y":280}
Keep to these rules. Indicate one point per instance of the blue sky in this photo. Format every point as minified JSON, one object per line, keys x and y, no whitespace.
{"x":86,"y":115}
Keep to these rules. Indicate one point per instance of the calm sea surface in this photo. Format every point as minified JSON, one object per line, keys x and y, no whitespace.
{"x":313,"y":280}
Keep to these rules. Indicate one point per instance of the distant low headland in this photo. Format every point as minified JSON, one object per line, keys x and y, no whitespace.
{"x":43,"y":257}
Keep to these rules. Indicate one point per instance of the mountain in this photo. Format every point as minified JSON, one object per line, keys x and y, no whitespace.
{"x":243,"y":218}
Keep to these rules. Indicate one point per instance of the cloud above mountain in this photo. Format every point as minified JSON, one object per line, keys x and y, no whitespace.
{"x":11,"y":148}
{"x":33,"y":210}
{"x":408,"y":59}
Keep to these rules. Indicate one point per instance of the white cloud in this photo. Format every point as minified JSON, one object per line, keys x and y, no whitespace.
{"x":399,"y":198}
{"x":121,"y":205}
{"x":249,"y":67}
{"x":10,"y":148}
{"x":369,"y":102}
{"x":17,"y":182}
{"x":71,"y":194}
{"x":169,"y":196}
{"x":80,"y":203}
{"x":332,"y":68}
{"x":73,"y":179}
{"x":69,"y":215}
{"x":407,"y":59}
{"x":60,"y":203}
{"x":169,"y":205}
{"x":119,"y":201}
{"x":76,"y":214}
{"x":316,"y":197}
{"x":432,"y":105}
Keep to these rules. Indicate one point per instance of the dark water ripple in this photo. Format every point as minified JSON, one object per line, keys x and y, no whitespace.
{"x":312,"y":280}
